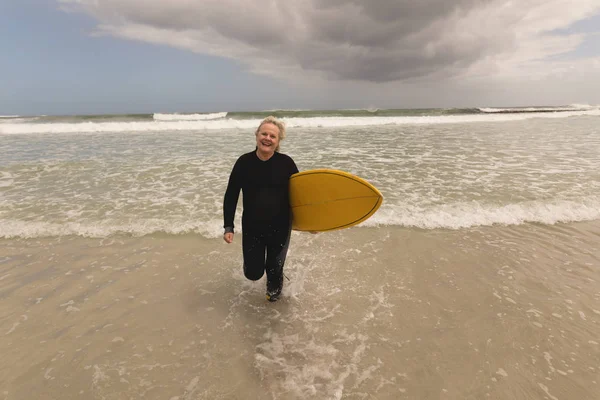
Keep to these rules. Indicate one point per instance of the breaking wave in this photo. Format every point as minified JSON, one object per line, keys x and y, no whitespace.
{"x":292,"y":122}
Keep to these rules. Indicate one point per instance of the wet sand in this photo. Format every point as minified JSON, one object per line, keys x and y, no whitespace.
{"x":368,"y":313}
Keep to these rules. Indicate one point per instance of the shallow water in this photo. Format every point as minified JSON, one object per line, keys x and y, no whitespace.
{"x":386,"y":313}
{"x":431,"y":176}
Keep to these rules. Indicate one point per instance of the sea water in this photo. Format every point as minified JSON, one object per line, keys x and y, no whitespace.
{"x":477,"y":278}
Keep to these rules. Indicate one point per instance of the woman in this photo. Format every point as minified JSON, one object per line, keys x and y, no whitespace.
{"x":263,"y":176}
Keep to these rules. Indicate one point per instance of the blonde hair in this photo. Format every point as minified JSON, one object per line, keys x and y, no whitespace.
{"x":278,"y":123}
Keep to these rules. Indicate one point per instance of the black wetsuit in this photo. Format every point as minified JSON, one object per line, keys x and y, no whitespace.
{"x":266,"y":219}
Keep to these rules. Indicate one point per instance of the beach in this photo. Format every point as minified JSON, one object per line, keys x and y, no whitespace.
{"x":478,"y":277}
{"x":506,"y":313}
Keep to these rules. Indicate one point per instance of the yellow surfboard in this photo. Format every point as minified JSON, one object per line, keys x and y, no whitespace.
{"x":328,"y":199}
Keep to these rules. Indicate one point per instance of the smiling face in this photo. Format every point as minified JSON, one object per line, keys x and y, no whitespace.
{"x":267,"y":140}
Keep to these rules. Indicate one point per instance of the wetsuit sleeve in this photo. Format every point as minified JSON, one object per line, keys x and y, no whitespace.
{"x":293,"y":167}
{"x":232,"y":195}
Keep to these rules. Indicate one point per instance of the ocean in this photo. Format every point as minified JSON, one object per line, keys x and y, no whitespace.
{"x":477,"y":278}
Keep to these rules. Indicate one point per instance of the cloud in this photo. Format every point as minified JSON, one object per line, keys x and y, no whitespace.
{"x":375,"y":41}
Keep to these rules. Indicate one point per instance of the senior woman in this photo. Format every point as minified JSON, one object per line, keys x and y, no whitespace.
{"x":263,"y":177}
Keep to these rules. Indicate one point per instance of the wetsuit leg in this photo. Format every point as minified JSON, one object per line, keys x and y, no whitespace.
{"x":277,"y":246}
{"x":253,"y":248}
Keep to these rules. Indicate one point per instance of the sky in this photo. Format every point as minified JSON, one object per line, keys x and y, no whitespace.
{"x":144,"y":56}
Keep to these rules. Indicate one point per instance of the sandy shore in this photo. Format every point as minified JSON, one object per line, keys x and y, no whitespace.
{"x":368,"y":313}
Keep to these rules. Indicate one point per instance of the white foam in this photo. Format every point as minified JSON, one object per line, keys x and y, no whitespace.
{"x":31,"y":229}
{"x":116,"y":127}
{"x":287,"y":109}
{"x":16,"y":324}
{"x":6,"y":179}
{"x":47,"y":375}
{"x":323,"y":376}
{"x":466,"y":215}
{"x":227,"y":123}
{"x":535,"y":312}
{"x":572,"y":107}
{"x":546,"y":390}
{"x":583,"y":106}
{"x":98,"y":376}
{"x":12,"y":329}
{"x":189,"y":117}
{"x":446,"y":216}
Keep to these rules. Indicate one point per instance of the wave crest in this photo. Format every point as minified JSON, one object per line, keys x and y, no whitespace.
{"x":317,"y":122}
{"x":448,"y":216}
{"x":189,"y":117}
{"x":513,"y":110}
{"x":30,"y":229}
{"x":472,"y":214}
